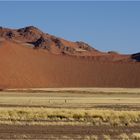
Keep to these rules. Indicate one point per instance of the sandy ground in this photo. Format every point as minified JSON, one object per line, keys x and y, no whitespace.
{"x":24,"y":67}
{"x":70,"y":98}
{"x":62,"y":132}
{"x":75,"y":90}
{"x":98,"y":99}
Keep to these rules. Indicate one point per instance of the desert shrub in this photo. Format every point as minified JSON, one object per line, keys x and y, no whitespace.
{"x":92,"y":137}
{"x":106,"y":137}
{"x":97,"y":121}
{"x":135,"y":136}
{"x":123,"y":136}
{"x":86,"y":137}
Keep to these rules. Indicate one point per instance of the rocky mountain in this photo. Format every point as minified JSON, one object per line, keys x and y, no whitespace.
{"x":40,"y":40}
{"x":35,"y":38}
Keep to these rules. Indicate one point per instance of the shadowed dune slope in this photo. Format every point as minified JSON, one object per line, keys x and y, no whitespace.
{"x":25,"y":67}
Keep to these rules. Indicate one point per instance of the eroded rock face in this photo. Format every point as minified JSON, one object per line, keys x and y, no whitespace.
{"x":10,"y":35}
{"x":136,"y":57}
{"x":57,"y":42}
{"x":32,"y":36}
{"x":85,"y":46}
{"x":112,"y":52}
{"x":30,"y":33}
{"x":41,"y":40}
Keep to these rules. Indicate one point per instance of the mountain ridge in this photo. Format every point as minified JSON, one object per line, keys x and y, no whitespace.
{"x":34,"y":37}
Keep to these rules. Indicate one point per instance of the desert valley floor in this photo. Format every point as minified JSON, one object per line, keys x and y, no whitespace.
{"x":70,"y":114}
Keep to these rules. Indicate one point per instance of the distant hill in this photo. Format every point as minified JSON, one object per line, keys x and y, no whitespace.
{"x":31,"y":58}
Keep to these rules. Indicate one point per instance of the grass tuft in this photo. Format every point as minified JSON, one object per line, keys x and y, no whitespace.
{"x":123,"y":136}
{"x":135,"y":136}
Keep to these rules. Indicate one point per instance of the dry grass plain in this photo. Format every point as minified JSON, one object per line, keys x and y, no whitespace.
{"x":72,"y":98}
{"x":70,"y":113}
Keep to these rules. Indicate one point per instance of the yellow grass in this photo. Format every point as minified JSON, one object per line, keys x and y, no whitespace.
{"x":91,"y":115}
{"x":67,"y":99}
{"x":135,"y":136}
{"x":106,"y":137}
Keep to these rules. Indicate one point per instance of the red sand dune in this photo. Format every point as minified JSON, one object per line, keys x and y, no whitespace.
{"x":33,"y":59}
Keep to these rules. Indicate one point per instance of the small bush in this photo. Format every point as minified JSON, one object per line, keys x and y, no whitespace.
{"x":106,"y":137}
{"x":123,"y":137}
{"x":135,"y":136}
{"x":92,"y":137}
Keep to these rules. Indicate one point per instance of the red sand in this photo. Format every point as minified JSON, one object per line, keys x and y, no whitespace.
{"x":22,"y":66}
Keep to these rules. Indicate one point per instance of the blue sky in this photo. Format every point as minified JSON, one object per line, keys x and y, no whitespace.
{"x":112,"y":25}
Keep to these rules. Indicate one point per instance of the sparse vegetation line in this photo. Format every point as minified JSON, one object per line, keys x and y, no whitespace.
{"x":76,"y":90}
{"x":93,"y":116}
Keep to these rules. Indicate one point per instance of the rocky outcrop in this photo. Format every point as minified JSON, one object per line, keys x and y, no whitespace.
{"x":42,"y":40}
{"x":136,"y":57}
{"x":85,"y":46}
{"x":42,"y":43}
{"x":32,"y":36}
